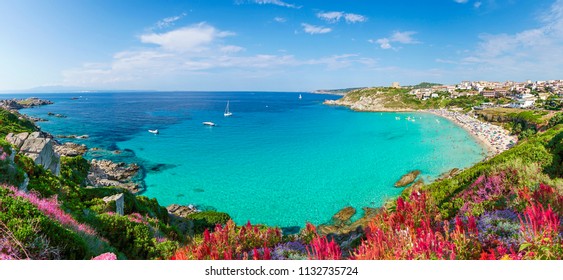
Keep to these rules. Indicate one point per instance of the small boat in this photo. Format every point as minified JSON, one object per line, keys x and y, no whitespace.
{"x":227,"y":112}
{"x":153,"y":131}
{"x":209,"y":123}
{"x":300,"y":97}
{"x":397,"y":118}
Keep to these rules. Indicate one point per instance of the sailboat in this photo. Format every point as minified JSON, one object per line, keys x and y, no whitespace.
{"x":300,"y":97}
{"x":227,"y":112}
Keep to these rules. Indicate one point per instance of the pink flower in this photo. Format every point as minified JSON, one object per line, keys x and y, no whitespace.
{"x":105,"y":257}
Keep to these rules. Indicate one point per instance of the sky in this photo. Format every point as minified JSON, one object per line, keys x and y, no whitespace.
{"x":275,"y":45}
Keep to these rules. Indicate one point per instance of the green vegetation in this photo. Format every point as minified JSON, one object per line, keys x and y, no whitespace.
{"x":10,"y":122}
{"x":455,"y":218}
{"x":399,"y":98}
{"x":521,"y":122}
{"x":207,"y":220}
{"x":425,"y":85}
{"x":41,"y":236}
{"x":537,"y":159}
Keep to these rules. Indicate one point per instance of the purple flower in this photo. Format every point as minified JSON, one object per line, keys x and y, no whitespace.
{"x":290,"y":251}
{"x":499,"y":227}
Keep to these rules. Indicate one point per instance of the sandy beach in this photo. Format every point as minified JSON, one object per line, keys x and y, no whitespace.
{"x":495,"y":138}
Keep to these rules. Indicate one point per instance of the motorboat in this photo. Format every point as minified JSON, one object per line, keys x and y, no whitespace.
{"x":209,"y":123}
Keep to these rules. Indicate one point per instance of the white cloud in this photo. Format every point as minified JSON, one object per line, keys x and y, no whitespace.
{"x":169,"y":21}
{"x":353,"y":18}
{"x":384,"y":43}
{"x":270,"y":2}
{"x":403,"y":37}
{"x":312,"y":29}
{"x":333,"y":17}
{"x":231,"y":49}
{"x":529,"y":53}
{"x":396,"y":37}
{"x":477,"y":5}
{"x":195,"y":55}
{"x":330,"y":16}
{"x":461,"y":1}
{"x":280,"y":19}
{"x":190,"y":38}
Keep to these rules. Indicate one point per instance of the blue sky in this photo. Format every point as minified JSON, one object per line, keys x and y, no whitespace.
{"x":275,"y":45}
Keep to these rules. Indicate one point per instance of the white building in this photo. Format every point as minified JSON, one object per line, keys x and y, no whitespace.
{"x":524,"y":101}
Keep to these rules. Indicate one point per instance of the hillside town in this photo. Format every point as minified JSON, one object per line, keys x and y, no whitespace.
{"x":521,"y":94}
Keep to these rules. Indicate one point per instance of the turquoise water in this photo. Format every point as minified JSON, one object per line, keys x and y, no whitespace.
{"x":278,"y":160}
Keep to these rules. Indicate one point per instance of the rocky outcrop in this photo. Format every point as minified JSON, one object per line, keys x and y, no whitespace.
{"x":118,"y":199}
{"x":179,"y":217}
{"x":34,"y":119}
{"x":39,"y":147}
{"x":407,"y":178}
{"x":343,"y":216}
{"x":71,"y":149}
{"x":16,"y":104}
{"x":345,"y":232}
{"x":104,"y":173}
{"x":56,"y":115}
{"x":376,"y":102}
{"x":449,"y":174}
{"x":73,"y":136}
{"x":181,"y":210}
{"x":10,"y":104}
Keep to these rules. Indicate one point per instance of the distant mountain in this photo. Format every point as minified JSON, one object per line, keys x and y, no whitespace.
{"x":66,"y":89}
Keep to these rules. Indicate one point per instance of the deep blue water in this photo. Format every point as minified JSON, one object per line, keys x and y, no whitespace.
{"x":278,"y":160}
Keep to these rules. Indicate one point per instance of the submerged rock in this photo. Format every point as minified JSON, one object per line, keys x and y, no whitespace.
{"x":56,"y":115}
{"x":407,"y":178}
{"x":73,"y":136}
{"x":343,"y":216}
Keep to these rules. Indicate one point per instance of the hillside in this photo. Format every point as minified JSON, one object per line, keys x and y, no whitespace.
{"x":385,"y":99}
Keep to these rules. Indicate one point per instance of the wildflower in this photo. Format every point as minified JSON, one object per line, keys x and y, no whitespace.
{"x":105,"y":257}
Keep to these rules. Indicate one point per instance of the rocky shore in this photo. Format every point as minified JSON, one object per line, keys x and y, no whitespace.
{"x":366,"y":104}
{"x":105,"y":173}
{"x":16,"y":104}
{"x":44,"y":150}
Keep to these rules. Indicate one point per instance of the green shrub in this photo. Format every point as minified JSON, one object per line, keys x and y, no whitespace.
{"x":208,"y":220}
{"x":10,"y":122}
{"x":74,"y":170}
{"x":136,"y":240}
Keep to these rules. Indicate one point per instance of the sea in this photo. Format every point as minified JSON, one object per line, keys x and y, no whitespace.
{"x":278,"y":160}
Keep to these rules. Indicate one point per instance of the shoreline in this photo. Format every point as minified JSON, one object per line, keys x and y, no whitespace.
{"x":495,"y":138}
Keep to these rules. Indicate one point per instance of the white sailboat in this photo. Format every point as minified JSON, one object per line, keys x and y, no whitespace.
{"x":227,"y":112}
{"x":300,"y":97}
